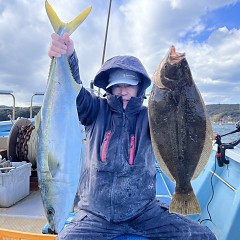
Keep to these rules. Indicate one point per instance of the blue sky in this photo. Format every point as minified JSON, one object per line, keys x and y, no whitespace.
{"x":207,"y":31}
{"x":227,"y":16}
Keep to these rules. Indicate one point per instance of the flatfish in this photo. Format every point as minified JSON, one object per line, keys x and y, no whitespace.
{"x":181,"y":131}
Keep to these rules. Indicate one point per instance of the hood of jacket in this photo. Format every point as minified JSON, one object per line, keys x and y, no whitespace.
{"x":126,"y":63}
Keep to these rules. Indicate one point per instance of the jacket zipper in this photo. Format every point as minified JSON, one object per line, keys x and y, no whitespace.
{"x":115,"y":176}
{"x":105,"y":145}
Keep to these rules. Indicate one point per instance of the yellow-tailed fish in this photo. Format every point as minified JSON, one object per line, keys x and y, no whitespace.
{"x":181,"y":131}
{"x":59,"y":135}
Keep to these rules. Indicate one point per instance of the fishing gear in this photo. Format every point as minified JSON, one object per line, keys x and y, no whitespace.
{"x":221,"y":159}
{"x":220,"y":155}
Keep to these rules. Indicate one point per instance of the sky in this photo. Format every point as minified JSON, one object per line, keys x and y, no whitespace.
{"x":207,"y":31}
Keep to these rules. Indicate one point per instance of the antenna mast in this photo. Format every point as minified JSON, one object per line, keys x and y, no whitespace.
{"x":105,"y":41}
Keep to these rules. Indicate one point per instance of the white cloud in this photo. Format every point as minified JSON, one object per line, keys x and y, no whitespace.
{"x":144,"y":28}
{"x":215,"y":66}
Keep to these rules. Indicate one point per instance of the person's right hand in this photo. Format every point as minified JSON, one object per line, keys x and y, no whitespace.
{"x":60,"y":46}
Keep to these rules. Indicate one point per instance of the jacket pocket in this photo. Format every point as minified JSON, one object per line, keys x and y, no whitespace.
{"x":105,"y":146}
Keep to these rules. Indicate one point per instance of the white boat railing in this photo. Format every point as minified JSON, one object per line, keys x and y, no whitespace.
{"x":34,"y":94}
{"x":9,"y":92}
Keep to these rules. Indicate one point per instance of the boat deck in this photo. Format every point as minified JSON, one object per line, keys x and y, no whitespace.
{"x":217,"y":189}
{"x":27,"y":215}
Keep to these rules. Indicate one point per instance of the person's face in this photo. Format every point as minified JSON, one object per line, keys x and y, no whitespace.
{"x":125,"y":91}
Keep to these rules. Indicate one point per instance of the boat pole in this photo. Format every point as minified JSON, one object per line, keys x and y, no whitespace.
{"x":106,"y":32}
{"x":105,"y":39}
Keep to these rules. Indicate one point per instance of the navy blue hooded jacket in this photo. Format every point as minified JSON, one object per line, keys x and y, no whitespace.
{"x":119,"y":175}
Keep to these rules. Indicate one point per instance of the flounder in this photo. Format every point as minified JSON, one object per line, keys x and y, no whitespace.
{"x":181,"y":131}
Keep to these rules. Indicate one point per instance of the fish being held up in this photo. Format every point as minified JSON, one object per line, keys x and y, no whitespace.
{"x":59,"y":134}
{"x":181,"y":131}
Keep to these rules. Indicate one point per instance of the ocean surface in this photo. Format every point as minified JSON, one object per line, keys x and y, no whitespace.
{"x":226,"y":128}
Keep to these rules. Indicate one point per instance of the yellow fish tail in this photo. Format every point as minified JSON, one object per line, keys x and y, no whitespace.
{"x":63,"y":27}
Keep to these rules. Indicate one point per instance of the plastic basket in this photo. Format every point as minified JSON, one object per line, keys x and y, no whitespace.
{"x":6,"y":234}
{"x":15,"y":184}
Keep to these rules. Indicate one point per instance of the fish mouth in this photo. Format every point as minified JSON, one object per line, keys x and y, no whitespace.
{"x":50,"y":217}
{"x":175,"y":57}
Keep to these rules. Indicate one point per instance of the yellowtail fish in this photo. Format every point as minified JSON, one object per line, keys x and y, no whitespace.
{"x":181,"y":132}
{"x":59,"y":135}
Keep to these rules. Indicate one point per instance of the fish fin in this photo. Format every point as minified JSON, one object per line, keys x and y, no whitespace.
{"x":165,"y":169}
{"x":77,"y":88}
{"x":72,"y":26}
{"x":53,"y":17}
{"x":53,"y":165}
{"x":69,"y":27}
{"x":184,"y":204}
{"x":156,"y":78}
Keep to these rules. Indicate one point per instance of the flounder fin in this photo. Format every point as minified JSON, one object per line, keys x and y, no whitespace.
{"x":165,"y":169}
{"x":184,"y":204}
{"x":156,"y":78}
{"x":69,"y":27}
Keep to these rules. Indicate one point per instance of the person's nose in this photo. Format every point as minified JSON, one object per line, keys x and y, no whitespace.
{"x":123,"y":91}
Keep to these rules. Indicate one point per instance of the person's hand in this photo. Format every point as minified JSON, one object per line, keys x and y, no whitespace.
{"x":60,"y":46}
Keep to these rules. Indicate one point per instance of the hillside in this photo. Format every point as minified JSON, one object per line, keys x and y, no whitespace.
{"x":19,"y":112}
{"x":224,"y":113}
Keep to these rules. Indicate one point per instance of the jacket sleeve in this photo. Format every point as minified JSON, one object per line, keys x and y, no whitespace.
{"x":87,"y":103}
{"x":73,"y":62}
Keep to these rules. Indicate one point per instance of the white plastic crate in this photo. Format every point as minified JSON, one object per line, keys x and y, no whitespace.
{"x":15,"y":184}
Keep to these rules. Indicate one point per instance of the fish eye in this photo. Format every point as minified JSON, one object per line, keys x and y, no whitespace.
{"x":50,"y":211}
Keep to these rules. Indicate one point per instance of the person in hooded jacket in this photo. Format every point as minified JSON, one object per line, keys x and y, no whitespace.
{"x":118,"y":184}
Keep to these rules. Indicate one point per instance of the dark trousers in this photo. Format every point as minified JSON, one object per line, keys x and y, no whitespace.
{"x":155,"y":222}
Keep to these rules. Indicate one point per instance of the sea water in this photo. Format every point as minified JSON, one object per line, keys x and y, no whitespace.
{"x":226,"y":128}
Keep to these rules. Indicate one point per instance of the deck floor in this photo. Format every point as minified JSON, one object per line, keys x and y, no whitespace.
{"x":26,"y":215}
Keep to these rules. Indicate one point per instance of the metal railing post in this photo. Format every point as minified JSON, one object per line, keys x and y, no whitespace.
{"x":34,"y":94}
{"x":9,"y":92}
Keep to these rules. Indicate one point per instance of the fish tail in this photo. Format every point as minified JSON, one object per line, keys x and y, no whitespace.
{"x":185,"y":204}
{"x":68,"y":27}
